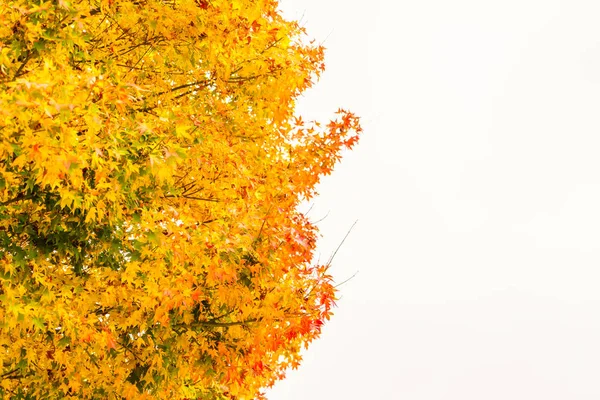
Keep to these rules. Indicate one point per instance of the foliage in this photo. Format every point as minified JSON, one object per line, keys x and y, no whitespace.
{"x":151,"y":167}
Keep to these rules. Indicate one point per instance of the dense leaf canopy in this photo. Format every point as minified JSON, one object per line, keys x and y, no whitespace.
{"x":151,"y":168}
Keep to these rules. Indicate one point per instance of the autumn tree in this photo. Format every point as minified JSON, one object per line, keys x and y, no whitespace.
{"x":151,"y":168}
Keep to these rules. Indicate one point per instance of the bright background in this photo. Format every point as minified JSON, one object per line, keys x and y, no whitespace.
{"x":477,"y":193}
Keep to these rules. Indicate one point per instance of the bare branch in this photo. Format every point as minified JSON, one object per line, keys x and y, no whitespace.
{"x":341,"y":243}
{"x":347,"y":280}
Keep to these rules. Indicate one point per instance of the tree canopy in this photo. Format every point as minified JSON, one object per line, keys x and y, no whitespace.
{"x":151,"y":169}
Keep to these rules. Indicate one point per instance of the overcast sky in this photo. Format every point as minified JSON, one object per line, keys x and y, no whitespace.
{"x":476,"y":187}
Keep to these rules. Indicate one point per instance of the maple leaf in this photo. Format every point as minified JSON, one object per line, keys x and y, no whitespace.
{"x":151,"y":168}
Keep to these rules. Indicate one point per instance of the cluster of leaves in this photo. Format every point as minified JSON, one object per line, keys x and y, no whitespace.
{"x":151,"y":169}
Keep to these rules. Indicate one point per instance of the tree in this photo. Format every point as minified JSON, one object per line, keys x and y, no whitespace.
{"x":151,"y":168}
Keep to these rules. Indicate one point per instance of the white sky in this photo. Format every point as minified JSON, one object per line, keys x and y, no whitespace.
{"x":477,"y":192}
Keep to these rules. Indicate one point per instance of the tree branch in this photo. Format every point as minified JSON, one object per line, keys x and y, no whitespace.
{"x":23,"y":64}
{"x":222,"y":324}
{"x":20,"y":196}
{"x":191,"y":198}
{"x":6,"y":374}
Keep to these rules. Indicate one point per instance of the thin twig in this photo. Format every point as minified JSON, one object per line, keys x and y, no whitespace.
{"x":340,"y":284}
{"x":322,"y":219}
{"x":341,"y":243}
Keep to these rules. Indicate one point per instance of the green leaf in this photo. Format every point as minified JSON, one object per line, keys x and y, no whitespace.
{"x":39,"y":323}
{"x":153,"y":237}
{"x":64,"y":341}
